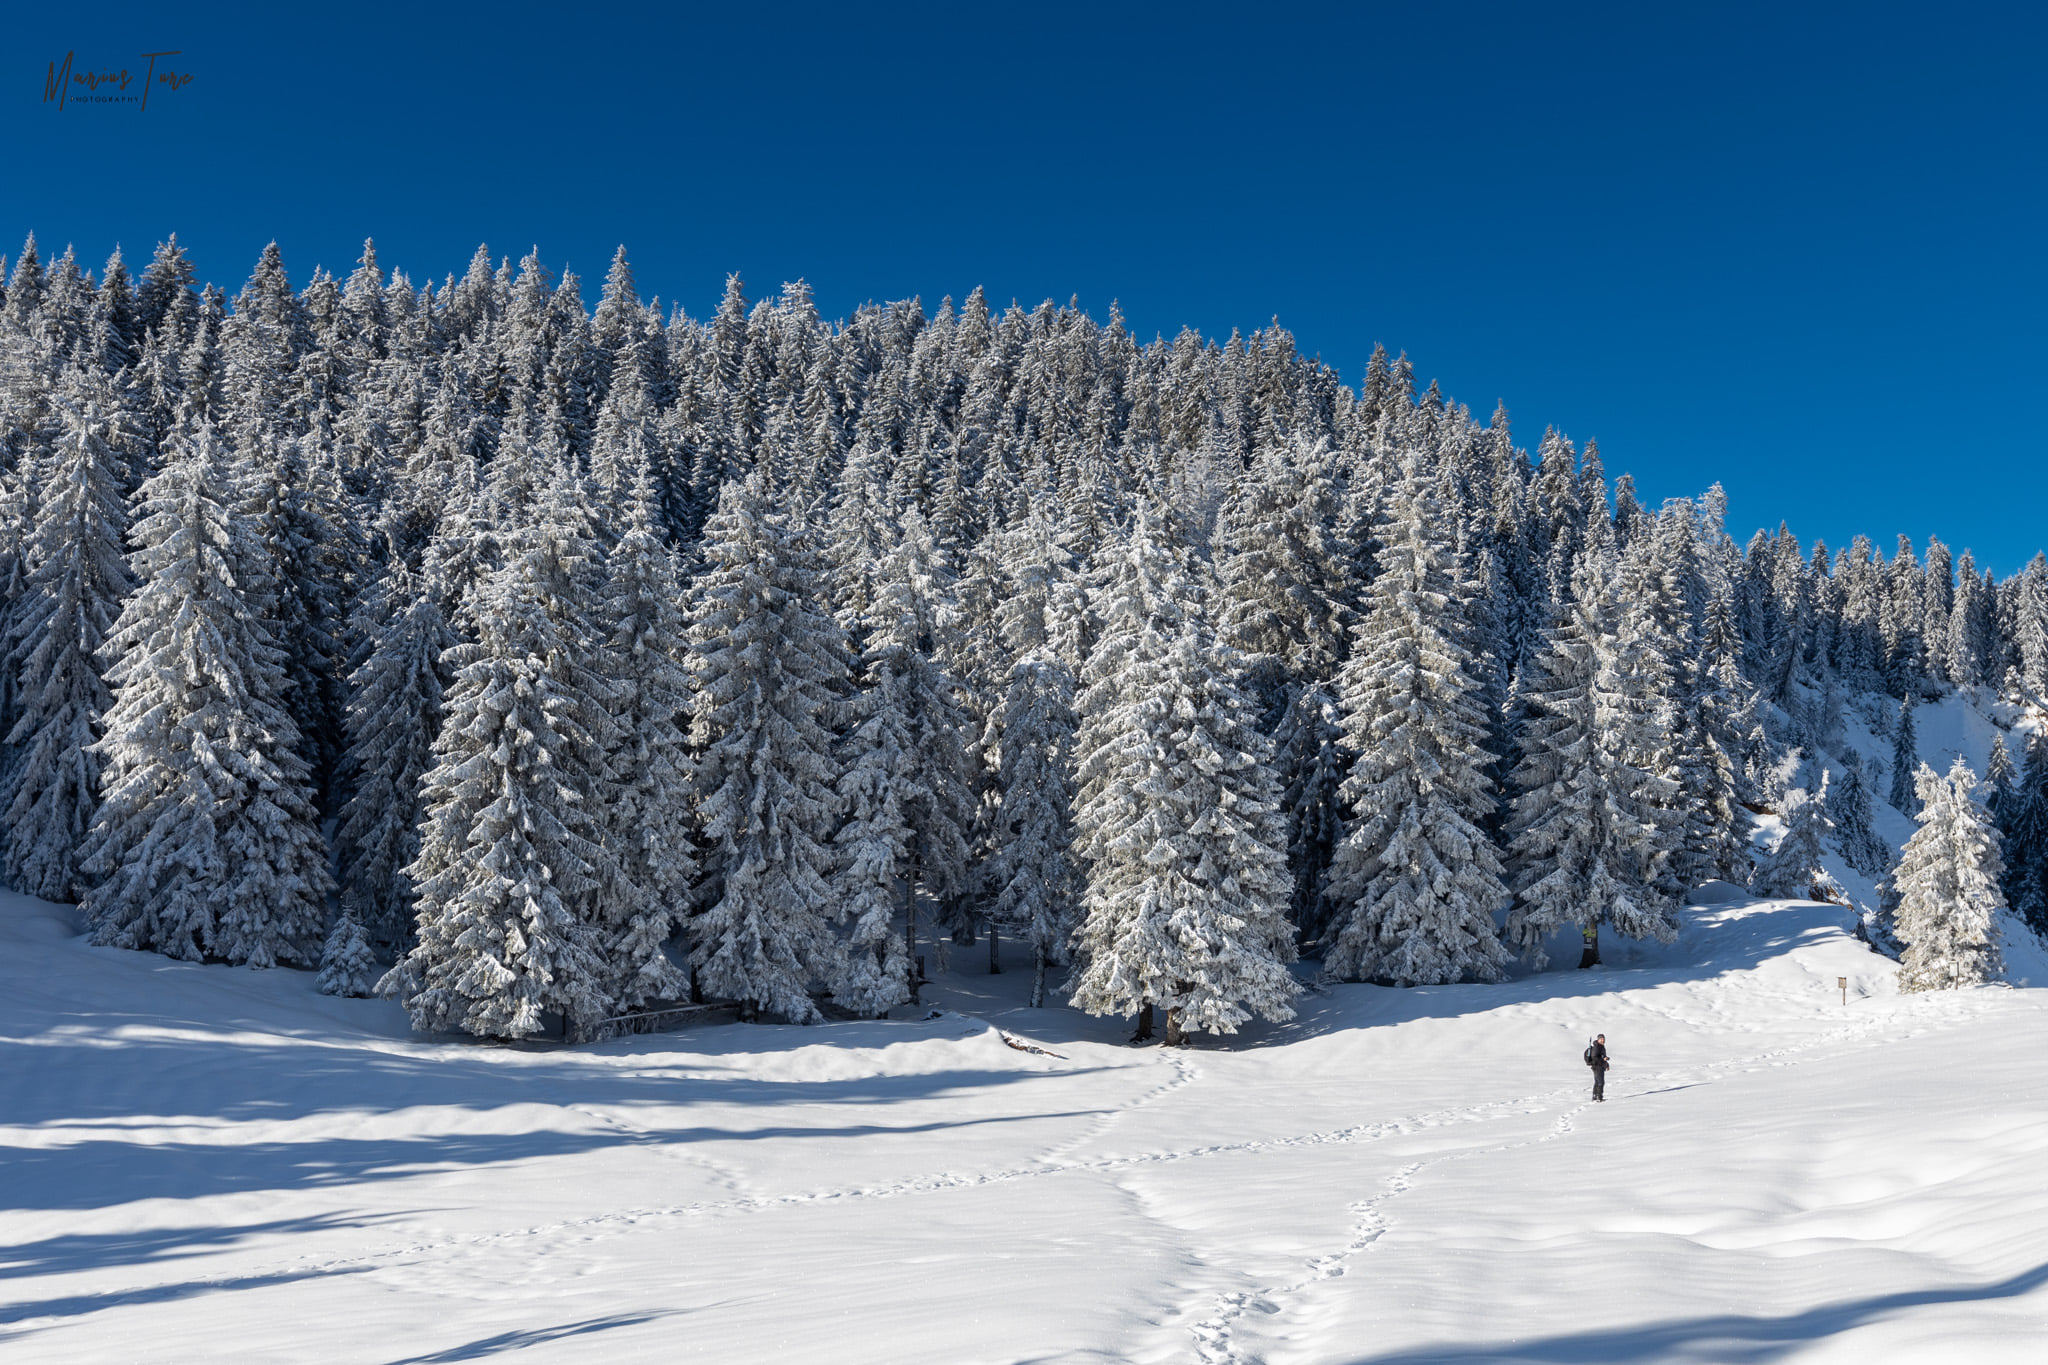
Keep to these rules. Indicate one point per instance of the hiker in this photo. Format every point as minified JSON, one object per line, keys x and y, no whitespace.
{"x":1596,"y":1057}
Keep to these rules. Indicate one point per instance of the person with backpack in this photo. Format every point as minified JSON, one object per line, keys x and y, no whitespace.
{"x":1596,"y":1057}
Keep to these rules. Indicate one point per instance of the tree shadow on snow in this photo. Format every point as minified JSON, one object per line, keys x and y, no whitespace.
{"x":538,"y":1336}
{"x":1726,"y":1339}
{"x":103,"y":1173}
{"x":83,"y":1305}
{"x":74,"y":1252}
{"x":92,"y":1079}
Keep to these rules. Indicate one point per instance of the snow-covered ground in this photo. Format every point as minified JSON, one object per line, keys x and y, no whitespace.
{"x":207,"y":1163}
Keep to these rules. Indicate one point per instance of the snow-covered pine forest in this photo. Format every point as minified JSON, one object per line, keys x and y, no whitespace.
{"x":537,"y":664}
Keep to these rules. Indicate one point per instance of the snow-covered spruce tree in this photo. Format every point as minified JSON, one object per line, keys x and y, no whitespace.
{"x":1310,"y":761}
{"x":1641,"y":682}
{"x":905,"y":781}
{"x":770,"y":671}
{"x":1583,"y":843}
{"x":298,"y":516}
{"x":874,"y":846}
{"x":206,"y":845}
{"x":1850,"y":809}
{"x":1415,"y":883}
{"x":510,"y":859}
{"x":393,"y":719}
{"x":70,"y":602}
{"x":1947,"y":883}
{"x":1727,"y":706}
{"x":1029,"y":867}
{"x":1281,"y":576}
{"x":2026,"y":840}
{"x":348,"y":964}
{"x":1789,"y":872}
{"x":2001,"y":782}
{"x":647,"y":809}
{"x":1905,"y":761}
{"x":1177,"y":822}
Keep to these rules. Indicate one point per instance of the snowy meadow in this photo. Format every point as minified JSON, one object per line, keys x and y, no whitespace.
{"x":200,"y":1155}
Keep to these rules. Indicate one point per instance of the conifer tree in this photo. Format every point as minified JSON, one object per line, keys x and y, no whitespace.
{"x":510,"y":856}
{"x":1583,"y":846}
{"x":1947,"y":882}
{"x":348,"y":964}
{"x":905,"y":777}
{"x":1177,"y":821}
{"x":1416,"y":881}
{"x":1310,"y":761}
{"x":1029,"y":867}
{"x":1850,"y":809}
{"x":207,"y":845}
{"x":1794,"y":863}
{"x":1905,"y":761}
{"x":1281,"y":576}
{"x":770,"y":670}
{"x":394,"y":717}
{"x":647,"y":810}
{"x":2025,"y":826}
{"x":70,"y":602}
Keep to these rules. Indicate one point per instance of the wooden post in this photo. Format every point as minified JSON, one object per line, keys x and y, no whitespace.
{"x":1843,"y":982}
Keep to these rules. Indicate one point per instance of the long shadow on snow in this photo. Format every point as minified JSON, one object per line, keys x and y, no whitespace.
{"x":102,"y":1173}
{"x":537,"y":1336}
{"x":236,"y":1078}
{"x":82,"y":1305}
{"x":1726,"y":1339}
{"x":101,"y":1251}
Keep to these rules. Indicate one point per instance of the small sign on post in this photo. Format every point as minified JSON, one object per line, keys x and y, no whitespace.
{"x":1843,"y":982}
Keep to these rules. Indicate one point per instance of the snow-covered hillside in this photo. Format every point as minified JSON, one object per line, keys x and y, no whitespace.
{"x":207,"y":1163}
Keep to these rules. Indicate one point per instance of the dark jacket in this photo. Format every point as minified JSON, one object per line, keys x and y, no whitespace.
{"x":1599,"y":1062}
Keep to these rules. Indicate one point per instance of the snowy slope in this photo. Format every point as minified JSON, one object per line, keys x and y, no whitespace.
{"x":208,"y":1163}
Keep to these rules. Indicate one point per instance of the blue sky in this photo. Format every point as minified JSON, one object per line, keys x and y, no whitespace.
{"x":1798,"y":249}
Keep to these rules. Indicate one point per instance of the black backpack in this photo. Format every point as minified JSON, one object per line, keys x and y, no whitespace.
{"x":1589,"y":1053}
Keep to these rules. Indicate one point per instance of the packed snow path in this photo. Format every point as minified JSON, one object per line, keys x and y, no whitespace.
{"x":206,"y":1163}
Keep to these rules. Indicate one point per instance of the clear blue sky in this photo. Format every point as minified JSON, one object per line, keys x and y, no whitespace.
{"x":1796,"y":248}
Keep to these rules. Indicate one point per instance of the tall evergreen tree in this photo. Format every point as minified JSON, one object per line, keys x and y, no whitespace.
{"x":1035,"y":886}
{"x":1416,"y":881}
{"x":1850,"y":807}
{"x":71,"y":600}
{"x":1177,"y":823}
{"x":207,"y":844}
{"x":2025,"y":825}
{"x":1947,"y":883}
{"x":1583,"y":844}
{"x":394,"y":717}
{"x":770,"y":671}
{"x":510,"y":856}
{"x":1905,"y":761}
{"x":647,"y":808}
{"x":1790,"y":871}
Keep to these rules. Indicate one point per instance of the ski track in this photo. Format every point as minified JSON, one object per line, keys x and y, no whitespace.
{"x":1214,"y":1335}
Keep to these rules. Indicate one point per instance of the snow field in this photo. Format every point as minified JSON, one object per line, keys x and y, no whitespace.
{"x":205,"y":1162}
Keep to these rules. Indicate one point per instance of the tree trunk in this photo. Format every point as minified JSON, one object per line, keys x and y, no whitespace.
{"x":1038,"y":964}
{"x":995,"y":963}
{"x":1174,"y":1036}
{"x":1144,"y":1033}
